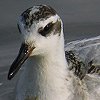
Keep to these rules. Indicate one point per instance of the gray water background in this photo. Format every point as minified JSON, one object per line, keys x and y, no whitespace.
{"x":81,"y":20}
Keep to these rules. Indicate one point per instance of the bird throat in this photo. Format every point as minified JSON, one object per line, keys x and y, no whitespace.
{"x":41,"y":79}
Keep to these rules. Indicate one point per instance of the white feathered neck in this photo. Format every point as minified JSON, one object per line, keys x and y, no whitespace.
{"x":45,"y":76}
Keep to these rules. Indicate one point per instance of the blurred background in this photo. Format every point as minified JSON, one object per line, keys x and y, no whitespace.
{"x":81,"y":19}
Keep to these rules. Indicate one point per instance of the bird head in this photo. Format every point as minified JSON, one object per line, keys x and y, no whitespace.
{"x":41,"y":31}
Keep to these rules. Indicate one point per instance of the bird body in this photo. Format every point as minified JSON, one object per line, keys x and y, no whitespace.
{"x":47,"y":74}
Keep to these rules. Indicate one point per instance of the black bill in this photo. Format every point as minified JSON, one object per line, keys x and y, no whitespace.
{"x":24,"y":53}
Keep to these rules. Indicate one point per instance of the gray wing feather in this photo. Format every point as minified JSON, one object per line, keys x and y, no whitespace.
{"x":83,"y":56}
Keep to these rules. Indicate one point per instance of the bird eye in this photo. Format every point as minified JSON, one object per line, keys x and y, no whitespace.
{"x":19,"y":28}
{"x":44,"y":31}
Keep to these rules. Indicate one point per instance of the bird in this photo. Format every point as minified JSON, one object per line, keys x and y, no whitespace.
{"x":54,"y":70}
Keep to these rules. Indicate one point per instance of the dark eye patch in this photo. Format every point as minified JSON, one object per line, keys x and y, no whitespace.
{"x":46,"y":30}
{"x":19,"y":28}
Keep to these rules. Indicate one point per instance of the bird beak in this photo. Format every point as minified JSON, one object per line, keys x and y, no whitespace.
{"x":24,"y":53}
